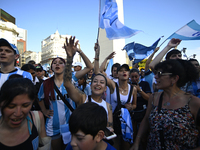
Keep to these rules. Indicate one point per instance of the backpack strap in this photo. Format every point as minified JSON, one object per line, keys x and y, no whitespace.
{"x":160,"y":102}
{"x":160,"y":126}
{"x":117,"y":92}
{"x":130,"y":94}
{"x":63,"y":98}
{"x":118,"y":107}
{"x":89,"y":98}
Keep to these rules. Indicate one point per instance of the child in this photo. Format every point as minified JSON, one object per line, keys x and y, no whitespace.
{"x":87,"y":125}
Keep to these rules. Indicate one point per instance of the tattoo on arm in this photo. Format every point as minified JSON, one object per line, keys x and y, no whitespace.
{"x":81,"y":92}
{"x":68,"y":70}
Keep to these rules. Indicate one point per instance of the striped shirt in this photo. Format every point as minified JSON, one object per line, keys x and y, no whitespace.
{"x":5,"y":76}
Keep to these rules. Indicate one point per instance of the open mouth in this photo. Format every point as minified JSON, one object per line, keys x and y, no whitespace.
{"x":16,"y":121}
{"x":97,"y":88}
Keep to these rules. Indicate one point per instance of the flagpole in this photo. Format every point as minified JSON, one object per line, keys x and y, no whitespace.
{"x":163,"y":42}
{"x":99,"y":19}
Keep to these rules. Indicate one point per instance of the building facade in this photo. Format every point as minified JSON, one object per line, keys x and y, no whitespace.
{"x":52,"y":47}
{"x":30,"y":55}
{"x":15,"y":35}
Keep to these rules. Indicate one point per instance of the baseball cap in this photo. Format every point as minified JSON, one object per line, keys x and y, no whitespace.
{"x":4,"y":42}
{"x":39,"y":68}
{"x":77,"y":64}
{"x":123,"y":66}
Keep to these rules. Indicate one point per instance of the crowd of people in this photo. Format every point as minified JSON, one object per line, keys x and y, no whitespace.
{"x":70,"y":107}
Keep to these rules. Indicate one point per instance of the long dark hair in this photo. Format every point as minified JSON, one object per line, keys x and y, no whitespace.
{"x":14,"y":87}
{"x":48,"y":85}
{"x":183,"y":68}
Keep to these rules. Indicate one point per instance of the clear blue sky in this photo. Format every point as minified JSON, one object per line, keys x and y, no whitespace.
{"x":79,"y":18}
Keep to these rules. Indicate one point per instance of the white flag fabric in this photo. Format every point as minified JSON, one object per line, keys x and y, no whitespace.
{"x":109,"y":20}
{"x":190,"y":31}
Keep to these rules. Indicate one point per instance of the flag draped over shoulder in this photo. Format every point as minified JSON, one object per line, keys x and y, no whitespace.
{"x":190,"y":31}
{"x":139,"y":52}
{"x":109,"y":20}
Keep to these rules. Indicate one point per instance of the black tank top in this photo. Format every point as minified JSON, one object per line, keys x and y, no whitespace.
{"x":30,"y":144}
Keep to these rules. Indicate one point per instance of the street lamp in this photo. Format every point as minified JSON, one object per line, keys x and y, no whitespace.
{"x":184,"y":50}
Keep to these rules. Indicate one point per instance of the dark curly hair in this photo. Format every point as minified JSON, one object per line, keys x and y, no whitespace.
{"x":183,"y":68}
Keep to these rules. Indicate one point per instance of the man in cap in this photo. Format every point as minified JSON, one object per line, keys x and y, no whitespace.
{"x":77,"y":66}
{"x":40,"y":72}
{"x":8,"y":57}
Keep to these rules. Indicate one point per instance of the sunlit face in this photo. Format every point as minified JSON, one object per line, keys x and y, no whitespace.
{"x":81,"y":141}
{"x":134,"y":76}
{"x":123,"y":74}
{"x":16,"y":112}
{"x":163,"y":80}
{"x":114,"y":72}
{"x":58,"y":66}
{"x":7,"y":55}
{"x":98,"y":85}
{"x":176,"y":56}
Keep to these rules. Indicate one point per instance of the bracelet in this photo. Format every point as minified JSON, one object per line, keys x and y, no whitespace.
{"x":96,"y":58}
{"x":140,"y":91}
{"x":80,"y":51}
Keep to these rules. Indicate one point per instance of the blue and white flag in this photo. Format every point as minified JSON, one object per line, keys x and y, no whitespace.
{"x":139,"y":52}
{"x":109,"y":67}
{"x":109,"y":20}
{"x":190,"y":31}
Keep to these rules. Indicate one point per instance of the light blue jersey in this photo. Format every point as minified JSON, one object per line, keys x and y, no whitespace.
{"x":61,"y":112}
{"x":5,"y":76}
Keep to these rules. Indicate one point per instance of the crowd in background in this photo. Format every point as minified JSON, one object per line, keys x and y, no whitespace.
{"x":70,"y":107}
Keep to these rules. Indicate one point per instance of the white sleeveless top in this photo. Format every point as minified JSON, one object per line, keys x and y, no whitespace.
{"x":123,"y":98}
{"x":103,"y":104}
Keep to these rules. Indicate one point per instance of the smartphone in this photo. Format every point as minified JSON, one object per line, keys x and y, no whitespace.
{"x":109,"y":135}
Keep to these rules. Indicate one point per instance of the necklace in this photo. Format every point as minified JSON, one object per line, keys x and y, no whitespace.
{"x":123,"y":90}
{"x":168,"y":102}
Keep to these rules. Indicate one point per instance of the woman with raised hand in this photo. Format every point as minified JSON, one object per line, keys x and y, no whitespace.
{"x":98,"y":83}
{"x":20,"y":128}
{"x":122,"y":95}
{"x":172,"y":115}
{"x":56,"y":110}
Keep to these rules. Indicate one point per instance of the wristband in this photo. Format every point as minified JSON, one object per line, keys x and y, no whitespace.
{"x":96,"y":58}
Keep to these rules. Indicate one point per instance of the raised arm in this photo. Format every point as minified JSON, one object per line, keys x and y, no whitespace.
{"x":110,"y":83}
{"x":172,"y":43}
{"x":74,"y":93}
{"x":150,"y":58}
{"x":96,"y":58}
{"x":88,"y":64}
{"x":103,"y":65}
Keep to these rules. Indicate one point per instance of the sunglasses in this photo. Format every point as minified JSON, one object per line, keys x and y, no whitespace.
{"x":160,"y":73}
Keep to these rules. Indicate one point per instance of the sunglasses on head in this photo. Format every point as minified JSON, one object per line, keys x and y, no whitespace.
{"x":160,"y":73}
